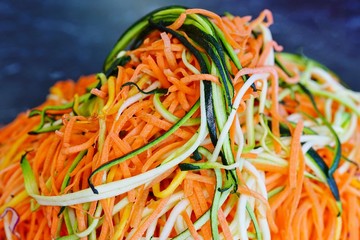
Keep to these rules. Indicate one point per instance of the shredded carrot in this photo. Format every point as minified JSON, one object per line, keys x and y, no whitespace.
{"x":224,"y":225}
{"x":191,"y":226}
{"x":111,"y":134}
{"x":138,"y":207}
{"x":98,"y":93}
{"x":159,"y":74}
{"x":179,"y":22}
{"x":169,"y":55}
{"x":218,"y":19}
{"x":295,"y":149}
{"x":142,"y":228}
{"x":199,"y":77}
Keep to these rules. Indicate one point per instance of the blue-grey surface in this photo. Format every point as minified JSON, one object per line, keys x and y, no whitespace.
{"x":45,"y":41}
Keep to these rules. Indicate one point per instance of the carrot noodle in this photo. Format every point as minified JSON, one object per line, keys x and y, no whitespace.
{"x":204,"y":129}
{"x":179,"y":22}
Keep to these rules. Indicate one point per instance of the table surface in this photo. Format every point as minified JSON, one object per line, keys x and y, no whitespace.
{"x":45,"y":41}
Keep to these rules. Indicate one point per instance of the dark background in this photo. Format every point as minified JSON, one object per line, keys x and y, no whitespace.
{"x":45,"y":41}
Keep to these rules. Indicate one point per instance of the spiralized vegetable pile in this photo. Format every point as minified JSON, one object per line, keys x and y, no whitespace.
{"x":198,"y":127}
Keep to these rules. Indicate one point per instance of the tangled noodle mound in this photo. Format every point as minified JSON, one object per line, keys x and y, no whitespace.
{"x":196,"y":128}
